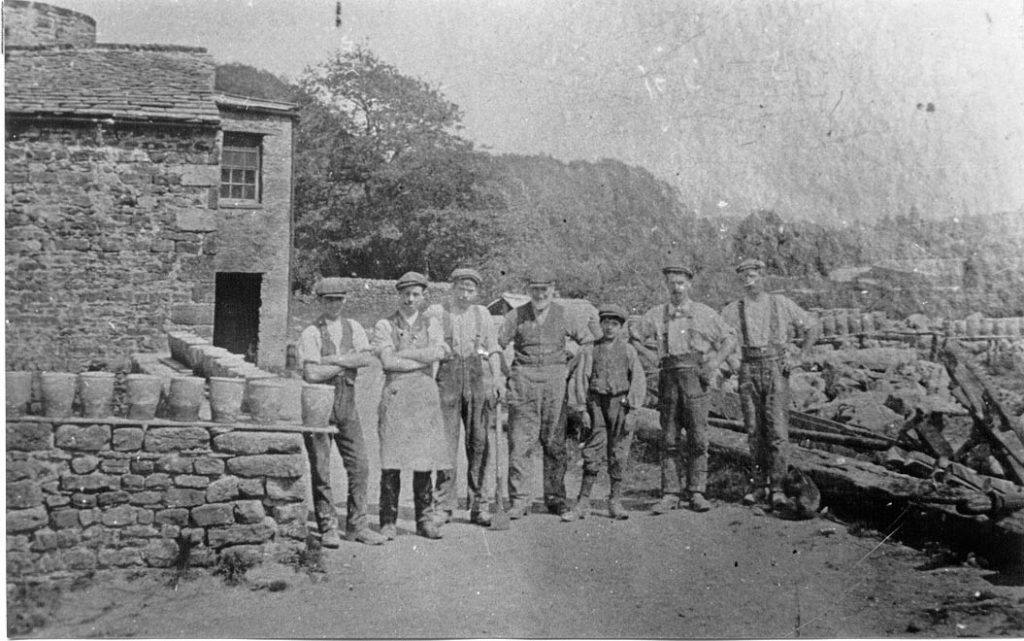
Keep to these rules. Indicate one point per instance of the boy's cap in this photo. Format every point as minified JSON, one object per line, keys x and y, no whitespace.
{"x":408,"y":279}
{"x":613,"y":311}
{"x":465,"y":273}
{"x":677,"y":269}
{"x":750,"y":263}
{"x":331,"y":288}
{"x":540,"y":278}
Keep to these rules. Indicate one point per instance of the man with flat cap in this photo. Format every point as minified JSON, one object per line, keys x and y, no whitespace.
{"x":539,"y":331}
{"x":410,"y":426}
{"x":470,"y":381}
{"x":693,"y":341}
{"x":331,"y":351}
{"x":766,"y":322}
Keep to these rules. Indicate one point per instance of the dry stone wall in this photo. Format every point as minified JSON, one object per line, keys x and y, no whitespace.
{"x":108,"y":231}
{"x":85,"y":496}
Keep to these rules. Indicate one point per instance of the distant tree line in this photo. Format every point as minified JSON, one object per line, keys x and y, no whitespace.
{"x":385,"y":184}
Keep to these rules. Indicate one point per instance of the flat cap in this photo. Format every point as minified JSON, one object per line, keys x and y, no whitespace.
{"x":466,"y":273}
{"x":613,"y":311}
{"x":331,"y":288}
{"x":540,"y":278}
{"x":750,"y":263}
{"x":677,"y":269}
{"x":408,"y":279}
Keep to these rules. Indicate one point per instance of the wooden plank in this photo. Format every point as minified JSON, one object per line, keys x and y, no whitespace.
{"x":159,"y":422}
{"x":932,"y":437}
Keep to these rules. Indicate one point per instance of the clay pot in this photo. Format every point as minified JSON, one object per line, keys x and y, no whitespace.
{"x":58,"y":393}
{"x":19,"y":392}
{"x":144,"y":392}
{"x":185,"y":398}
{"x":226,"y":398}
{"x":96,"y":389}
{"x":264,"y":399}
{"x":317,"y":404}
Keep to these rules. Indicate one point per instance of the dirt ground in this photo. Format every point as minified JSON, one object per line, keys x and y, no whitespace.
{"x":732,"y":572}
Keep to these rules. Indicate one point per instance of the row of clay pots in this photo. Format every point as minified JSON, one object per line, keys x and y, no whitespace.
{"x":259,"y":397}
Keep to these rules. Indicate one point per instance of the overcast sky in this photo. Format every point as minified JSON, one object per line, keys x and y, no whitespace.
{"x":781,"y":97}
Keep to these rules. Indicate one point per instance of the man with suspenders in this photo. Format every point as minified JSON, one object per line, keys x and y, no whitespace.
{"x":467,"y":392}
{"x":331,"y":351}
{"x":766,"y":322}
{"x":693,"y":341}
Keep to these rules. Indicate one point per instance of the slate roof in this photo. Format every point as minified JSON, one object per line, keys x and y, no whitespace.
{"x":124,"y":82}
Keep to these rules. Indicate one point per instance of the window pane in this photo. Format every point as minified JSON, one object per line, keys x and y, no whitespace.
{"x":225,"y":191}
{"x":250,"y":193}
{"x":225,"y":175}
{"x":247,"y":159}
{"x":249,"y":177}
{"x":236,"y":191}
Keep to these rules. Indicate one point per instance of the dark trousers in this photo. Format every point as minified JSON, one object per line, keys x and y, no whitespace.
{"x":764,"y":395}
{"x":537,"y":416}
{"x":607,"y":445}
{"x":464,"y":401}
{"x":390,"y":488}
{"x":349,"y":440}
{"x":683,"y":407}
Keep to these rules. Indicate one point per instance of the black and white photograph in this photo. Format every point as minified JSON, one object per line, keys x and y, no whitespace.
{"x":514,"y":319}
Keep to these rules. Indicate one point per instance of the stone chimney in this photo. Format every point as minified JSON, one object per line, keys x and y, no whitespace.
{"x":28,"y":24}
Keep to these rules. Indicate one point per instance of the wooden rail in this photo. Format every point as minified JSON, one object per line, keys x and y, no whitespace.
{"x":162,"y":422}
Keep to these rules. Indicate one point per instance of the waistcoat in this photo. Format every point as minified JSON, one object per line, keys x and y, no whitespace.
{"x":537,"y":344}
{"x":610,"y":374}
{"x":327,"y":344}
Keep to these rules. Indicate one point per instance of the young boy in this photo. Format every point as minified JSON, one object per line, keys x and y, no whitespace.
{"x":615,"y":384}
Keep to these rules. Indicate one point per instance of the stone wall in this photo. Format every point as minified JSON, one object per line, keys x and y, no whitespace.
{"x":108,"y":230}
{"x":89,"y":495}
{"x":36,"y":23}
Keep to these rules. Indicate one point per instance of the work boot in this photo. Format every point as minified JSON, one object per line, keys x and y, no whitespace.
{"x":390,"y":485}
{"x":779,"y":500}
{"x":330,"y":539}
{"x":423,"y":500}
{"x":518,"y":510}
{"x":442,"y":517}
{"x":668,"y":502}
{"x":754,"y":497}
{"x":366,"y":536}
{"x":616,"y":511}
{"x":478,"y":513}
{"x":582,"y":508}
{"x":698,"y":503}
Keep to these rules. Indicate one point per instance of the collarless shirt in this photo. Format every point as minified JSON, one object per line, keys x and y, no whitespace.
{"x":680,"y":330}
{"x":471,"y":331}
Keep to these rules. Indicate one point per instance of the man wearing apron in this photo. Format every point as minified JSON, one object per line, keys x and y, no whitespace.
{"x":766,"y":322}
{"x":331,"y":350}
{"x":410,"y":426}
{"x":467,"y":392}
{"x":536,"y":393}
{"x":693,"y":341}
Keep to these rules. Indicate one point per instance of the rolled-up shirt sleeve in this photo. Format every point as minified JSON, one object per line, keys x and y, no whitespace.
{"x":382,"y":336}
{"x":309,"y":346}
{"x":637,"y":380}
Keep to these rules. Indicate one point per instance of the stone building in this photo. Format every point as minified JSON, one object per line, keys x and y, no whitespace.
{"x":137,"y":199}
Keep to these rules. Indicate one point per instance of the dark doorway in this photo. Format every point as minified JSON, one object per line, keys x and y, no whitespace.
{"x":236,"y":313}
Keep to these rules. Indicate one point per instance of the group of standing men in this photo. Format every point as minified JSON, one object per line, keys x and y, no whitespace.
{"x":443,"y":370}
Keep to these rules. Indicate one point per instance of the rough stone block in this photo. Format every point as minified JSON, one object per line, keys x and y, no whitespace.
{"x":133,"y":482}
{"x":60,"y":519}
{"x":218,"y":537}
{"x":290,"y":512}
{"x":209,"y":465}
{"x":23,"y":494}
{"x":115,"y":465}
{"x":68,"y":538}
{"x":174,"y":464}
{"x":192,"y":314}
{"x":30,"y":469}
{"x":17,"y":543}
{"x":158,"y":481}
{"x":124,"y":557}
{"x":251,"y":487}
{"x":118,"y":516}
{"x":20,"y":563}
{"x":89,"y":482}
{"x":80,"y":558}
{"x":175,"y":439}
{"x":148,"y":497}
{"x":44,"y":540}
{"x":117,"y":497}
{"x":126,"y":439}
{"x":190,"y":480}
{"x":286,"y":489}
{"x":184,"y":497}
{"x":242,"y":555}
{"x":258,"y":443}
{"x":195,"y":220}
{"x":160,"y":553}
{"x":293,"y":530}
{"x":175,"y":516}
{"x":144,"y":516}
{"x":273,"y":465}
{"x":141,"y":531}
{"x":26,"y":520}
{"x":88,"y":516}
{"x":198,"y":175}
{"x":213,"y":514}
{"x":143,"y":466}
{"x":29,"y":437}
{"x":81,"y":500}
{"x":84,"y":464}
{"x":58,"y":500}
{"x":223,"y":489}
{"x":84,"y":438}
{"x":250,"y":511}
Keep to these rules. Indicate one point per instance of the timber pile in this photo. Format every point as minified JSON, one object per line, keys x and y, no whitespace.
{"x":944,"y":455}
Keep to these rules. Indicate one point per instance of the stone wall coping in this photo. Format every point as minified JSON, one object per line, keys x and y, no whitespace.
{"x":158,"y":422}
